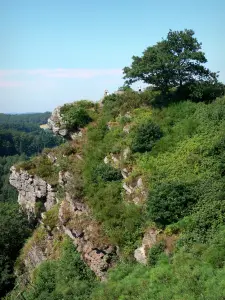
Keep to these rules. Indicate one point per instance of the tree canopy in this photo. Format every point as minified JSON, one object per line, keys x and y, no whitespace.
{"x":172,"y":62}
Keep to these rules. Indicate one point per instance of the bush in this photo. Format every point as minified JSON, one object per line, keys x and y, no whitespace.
{"x":106,"y":173}
{"x":76,"y":115}
{"x":51,"y":217}
{"x":145,"y":137}
{"x":169,"y":202}
{"x":155,"y":252}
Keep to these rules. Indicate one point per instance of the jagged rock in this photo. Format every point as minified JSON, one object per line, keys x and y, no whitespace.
{"x":56,"y":123}
{"x":140,"y":183}
{"x":64,"y":178}
{"x":126,"y":153}
{"x":52,"y":158}
{"x":76,"y":135}
{"x":31,"y":189}
{"x":34,"y":257}
{"x":140,"y":256}
{"x":135,"y":191}
{"x":106,"y":160}
{"x":124,"y":173}
{"x":40,"y":247}
{"x":127,"y":128}
{"x":128,"y":189}
{"x":78,"y":224}
{"x":79,"y":156}
{"x":149,"y":239}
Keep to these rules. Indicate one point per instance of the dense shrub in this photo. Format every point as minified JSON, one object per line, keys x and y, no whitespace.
{"x":105,"y":172}
{"x":51,"y":217}
{"x":145,"y":137}
{"x":76,"y":117}
{"x":42,"y":167}
{"x":197,"y":273}
{"x":168,"y":202}
{"x":77,"y":114}
{"x":154,"y":253}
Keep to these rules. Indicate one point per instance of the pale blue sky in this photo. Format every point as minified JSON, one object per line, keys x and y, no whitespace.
{"x":58,"y":51}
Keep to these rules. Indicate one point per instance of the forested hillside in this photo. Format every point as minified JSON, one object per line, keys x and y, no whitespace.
{"x":21,"y":134}
{"x":138,"y":209}
{"x":20,"y":137}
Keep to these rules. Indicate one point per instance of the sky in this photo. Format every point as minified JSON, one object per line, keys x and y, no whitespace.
{"x":58,"y":51}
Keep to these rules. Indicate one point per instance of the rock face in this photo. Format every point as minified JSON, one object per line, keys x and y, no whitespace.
{"x":77,"y":223}
{"x":149,"y":239}
{"x":74,"y":219}
{"x":32,"y":190}
{"x":56,"y":124}
{"x":58,"y":127}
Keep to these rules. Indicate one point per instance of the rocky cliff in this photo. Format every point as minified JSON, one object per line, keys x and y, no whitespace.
{"x":74,"y":219}
{"x":33,"y":191}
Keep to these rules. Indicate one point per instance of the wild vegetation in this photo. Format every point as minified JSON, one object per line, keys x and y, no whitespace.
{"x":172,"y":137}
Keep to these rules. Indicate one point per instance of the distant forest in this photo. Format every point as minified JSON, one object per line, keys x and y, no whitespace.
{"x":20,"y":138}
{"x":21,"y":134}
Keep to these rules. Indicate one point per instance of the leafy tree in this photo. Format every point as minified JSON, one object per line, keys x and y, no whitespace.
{"x":171,"y":62}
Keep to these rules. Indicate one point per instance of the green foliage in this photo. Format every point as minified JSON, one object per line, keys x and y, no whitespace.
{"x":125,"y":88}
{"x":106,"y":173}
{"x":121,"y":222}
{"x":76,"y":115}
{"x":7,"y":192}
{"x":145,"y":137}
{"x":68,"y":278}
{"x":184,"y":172}
{"x":21,"y":120}
{"x":51,"y":217}
{"x":42,"y":167}
{"x":14,"y":229}
{"x":116,"y":104}
{"x":170,"y":63}
{"x":198,"y":91}
{"x":198,"y":273}
{"x":168,"y":202}
{"x":33,"y":141}
{"x":154,"y":253}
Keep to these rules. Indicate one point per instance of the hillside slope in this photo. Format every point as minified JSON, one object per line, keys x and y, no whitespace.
{"x":139,"y":191}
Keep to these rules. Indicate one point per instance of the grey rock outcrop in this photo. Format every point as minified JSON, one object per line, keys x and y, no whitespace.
{"x":77,"y":223}
{"x":32,"y":189}
{"x":58,"y":127}
{"x":56,"y":123}
{"x":149,"y":239}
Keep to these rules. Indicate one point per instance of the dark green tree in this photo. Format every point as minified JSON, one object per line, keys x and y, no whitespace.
{"x":14,"y":229}
{"x":172,"y":62}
